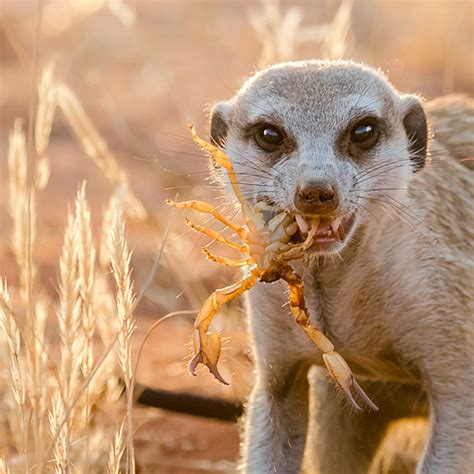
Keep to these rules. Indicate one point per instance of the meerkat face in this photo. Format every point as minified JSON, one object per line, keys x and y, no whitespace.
{"x":322,"y":138}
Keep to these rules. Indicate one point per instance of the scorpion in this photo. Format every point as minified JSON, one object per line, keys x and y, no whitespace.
{"x":268,"y":251}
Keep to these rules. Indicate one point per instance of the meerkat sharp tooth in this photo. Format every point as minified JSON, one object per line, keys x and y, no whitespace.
{"x":302,"y":224}
{"x":336,"y":223}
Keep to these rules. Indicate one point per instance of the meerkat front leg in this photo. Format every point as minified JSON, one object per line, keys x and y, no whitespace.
{"x":342,"y":440}
{"x":276,"y":425}
{"x":450,"y":449}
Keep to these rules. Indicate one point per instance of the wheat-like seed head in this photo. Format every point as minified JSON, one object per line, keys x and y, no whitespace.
{"x":84,"y":296}
{"x":12,"y":333}
{"x":22,"y":206}
{"x":116,"y":451}
{"x":96,"y":148}
{"x":86,"y":263}
{"x":17,"y":163}
{"x":69,"y":314}
{"x":60,"y":450}
{"x":91,"y":141}
{"x":120,"y":258}
{"x":45,"y":109}
{"x":23,"y":229}
{"x":108,"y":324}
{"x":107,"y":220}
{"x":42,"y":172}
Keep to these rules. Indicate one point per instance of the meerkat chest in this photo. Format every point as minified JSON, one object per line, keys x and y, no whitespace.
{"x":360,"y":309}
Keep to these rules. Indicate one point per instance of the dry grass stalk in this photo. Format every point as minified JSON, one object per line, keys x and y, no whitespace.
{"x":277,"y":31}
{"x":116,"y":451}
{"x":108,"y":326}
{"x":3,"y":466}
{"x":42,"y":173}
{"x":45,"y":109}
{"x":86,"y":274}
{"x":91,"y":141}
{"x":108,"y":215}
{"x":61,"y":445}
{"x":281,"y":32}
{"x":96,"y":148}
{"x":17,"y":163}
{"x":12,"y":333}
{"x":17,"y":379}
{"x":120,"y":258}
{"x":21,"y":206}
{"x":84,"y":300}
{"x":336,"y":42}
{"x":39,"y":351}
{"x":69,"y":319}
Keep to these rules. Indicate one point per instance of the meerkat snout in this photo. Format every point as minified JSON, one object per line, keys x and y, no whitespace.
{"x":316,"y":197}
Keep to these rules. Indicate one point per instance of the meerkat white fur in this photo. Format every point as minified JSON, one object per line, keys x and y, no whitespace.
{"x":392,"y":288}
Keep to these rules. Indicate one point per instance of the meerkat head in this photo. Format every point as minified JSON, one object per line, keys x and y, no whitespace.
{"x":331,"y":139}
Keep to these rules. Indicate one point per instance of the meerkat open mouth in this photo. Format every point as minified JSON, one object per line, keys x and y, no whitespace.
{"x":324,"y":232}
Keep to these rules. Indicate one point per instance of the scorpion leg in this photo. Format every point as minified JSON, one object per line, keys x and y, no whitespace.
{"x":206,"y":208}
{"x":222,"y":160}
{"x":243,"y":248}
{"x":208,"y":344}
{"x":229,"y":262}
{"x":335,"y":363}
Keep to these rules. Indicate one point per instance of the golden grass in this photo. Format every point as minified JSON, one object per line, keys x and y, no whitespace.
{"x":57,"y":387}
{"x":96,"y":148}
{"x":281,"y":32}
{"x":61,"y":385}
{"x":125,"y":299}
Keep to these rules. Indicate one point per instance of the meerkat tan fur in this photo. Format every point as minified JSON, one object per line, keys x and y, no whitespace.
{"x":394,"y":292}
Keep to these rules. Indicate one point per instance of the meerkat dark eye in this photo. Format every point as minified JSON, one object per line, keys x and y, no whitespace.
{"x":364,"y":134}
{"x":269,"y":138}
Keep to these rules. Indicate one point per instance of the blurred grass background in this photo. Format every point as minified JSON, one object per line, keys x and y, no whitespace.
{"x":143,"y":70}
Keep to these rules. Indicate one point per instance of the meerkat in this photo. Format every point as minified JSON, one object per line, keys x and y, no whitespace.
{"x":389,"y":278}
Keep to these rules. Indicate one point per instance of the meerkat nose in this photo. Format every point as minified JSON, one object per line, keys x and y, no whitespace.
{"x":316,"y":197}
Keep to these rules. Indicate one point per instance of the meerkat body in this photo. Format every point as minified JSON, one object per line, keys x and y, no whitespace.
{"x":392,"y":288}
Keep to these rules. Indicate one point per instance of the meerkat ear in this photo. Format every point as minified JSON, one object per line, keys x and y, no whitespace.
{"x":416,"y":128}
{"x":220,"y":115}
